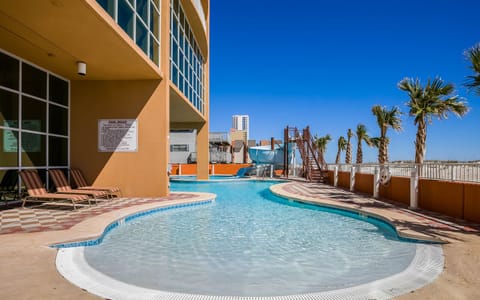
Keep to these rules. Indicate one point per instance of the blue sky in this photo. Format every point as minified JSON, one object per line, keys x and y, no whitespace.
{"x":326,"y":63}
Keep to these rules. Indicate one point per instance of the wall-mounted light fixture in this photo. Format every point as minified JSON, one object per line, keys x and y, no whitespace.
{"x":81,"y":68}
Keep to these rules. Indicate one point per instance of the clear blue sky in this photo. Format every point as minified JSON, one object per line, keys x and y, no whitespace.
{"x":326,"y":63}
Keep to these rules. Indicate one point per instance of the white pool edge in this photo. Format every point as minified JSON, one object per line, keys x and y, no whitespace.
{"x":425,"y":267}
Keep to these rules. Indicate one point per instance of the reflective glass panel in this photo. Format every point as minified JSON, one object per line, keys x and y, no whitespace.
{"x":34,"y":81}
{"x":58,"y":120}
{"x":125,"y":17}
{"x":8,"y":109}
{"x":142,"y":36}
{"x":9,"y":148}
{"x":58,"y":90}
{"x":33,"y":150}
{"x":108,"y":6}
{"x":154,"y":50}
{"x":58,"y":151}
{"x":34,"y":114}
{"x":9,"y":71}
{"x":142,"y":10}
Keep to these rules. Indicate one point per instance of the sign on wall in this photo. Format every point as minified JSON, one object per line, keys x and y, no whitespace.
{"x":117,"y":135}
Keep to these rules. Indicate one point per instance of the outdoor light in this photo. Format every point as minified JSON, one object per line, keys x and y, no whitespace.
{"x":81,"y":68}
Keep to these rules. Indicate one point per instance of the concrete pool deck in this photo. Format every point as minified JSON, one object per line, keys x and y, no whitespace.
{"x":28,"y":264}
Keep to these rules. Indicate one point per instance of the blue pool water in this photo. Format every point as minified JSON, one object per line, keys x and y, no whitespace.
{"x":249,"y":243}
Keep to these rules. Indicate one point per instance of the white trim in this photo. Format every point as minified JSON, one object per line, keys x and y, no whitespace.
{"x":425,"y":267}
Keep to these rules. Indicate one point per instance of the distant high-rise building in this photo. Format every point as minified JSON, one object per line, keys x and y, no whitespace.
{"x":240,"y":122}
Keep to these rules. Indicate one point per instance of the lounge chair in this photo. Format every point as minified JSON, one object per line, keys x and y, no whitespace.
{"x":37,"y":193}
{"x":81,"y":184}
{"x":62,"y":186}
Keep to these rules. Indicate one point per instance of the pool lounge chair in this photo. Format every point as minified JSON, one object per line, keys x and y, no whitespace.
{"x":81,"y":183}
{"x":37,"y":193}
{"x":62,"y":186}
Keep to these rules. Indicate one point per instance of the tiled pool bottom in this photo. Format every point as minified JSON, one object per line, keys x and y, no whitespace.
{"x":424,"y":268}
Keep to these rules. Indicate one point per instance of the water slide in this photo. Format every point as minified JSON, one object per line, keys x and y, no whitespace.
{"x":265,"y":154}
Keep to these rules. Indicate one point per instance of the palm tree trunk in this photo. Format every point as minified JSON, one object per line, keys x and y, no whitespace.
{"x":420,"y":141}
{"x":348,"y":154}
{"x":383,"y":150}
{"x":337,"y":159}
{"x":359,"y":152}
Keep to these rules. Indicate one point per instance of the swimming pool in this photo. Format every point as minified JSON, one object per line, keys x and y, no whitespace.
{"x":250,"y":243}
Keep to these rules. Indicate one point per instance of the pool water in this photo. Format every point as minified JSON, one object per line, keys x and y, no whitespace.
{"x":249,"y":243}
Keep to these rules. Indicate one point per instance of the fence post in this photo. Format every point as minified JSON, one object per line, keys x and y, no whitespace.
{"x":376,"y":183}
{"x":271,"y":171}
{"x":179,"y":169}
{"x":213,"y":169}
{"x":352,"y":178}
{"x":335,"y":176}
{"x":414,"y":188}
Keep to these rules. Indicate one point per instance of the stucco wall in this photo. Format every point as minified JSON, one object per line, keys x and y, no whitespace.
{"x":441,"y":196}
{"x":141,"y":173}
{"x":364,"y":183}
{"x":344,"y":179}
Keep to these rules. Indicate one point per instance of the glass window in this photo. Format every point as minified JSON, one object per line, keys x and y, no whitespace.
{"x":175,"y":52}
{"x":8,"y":109}
{"x":175,"y":29}
{"x":9,"y":148}
{"x":33,"y":150}
{"x":157,"y":3}
{"x":58,"y":151}
{"x":142,"y":36}
{"x":154,"y":50}
{"x":175,"y":75}
{"x":142,"y":10}
{"x":34,"y":81}
{"x":125,"y":17}
{"x":58,"y":90}
{"x":33,"y":114}
{"x":175,"y":5}
{"x":108,"y":6}
{"x":154,"y":21}
{"x":9,"y":68}
{"x":58,"y":120}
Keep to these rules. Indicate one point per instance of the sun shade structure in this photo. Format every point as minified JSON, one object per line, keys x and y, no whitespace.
{"x":37,"y":192}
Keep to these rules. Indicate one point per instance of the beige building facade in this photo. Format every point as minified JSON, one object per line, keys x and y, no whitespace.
{"x":98,"y":84}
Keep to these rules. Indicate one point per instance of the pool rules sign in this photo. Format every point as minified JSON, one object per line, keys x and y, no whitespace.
{"x":117,"y":135}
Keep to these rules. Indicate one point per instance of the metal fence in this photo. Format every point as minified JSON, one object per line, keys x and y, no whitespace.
{"x":466,"y":172}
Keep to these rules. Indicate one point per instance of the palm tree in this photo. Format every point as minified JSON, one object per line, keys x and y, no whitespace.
{"x":435,"y":99}
{"x":348,"y":154}
{"x":362,"y":135}
{"x":385,"y":119}
{"x":342,"y":145}
{"x":473,"y":81}
{"x":321,"y":144}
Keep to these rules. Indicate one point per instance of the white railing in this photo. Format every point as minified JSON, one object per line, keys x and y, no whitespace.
{"x":466,"y":172}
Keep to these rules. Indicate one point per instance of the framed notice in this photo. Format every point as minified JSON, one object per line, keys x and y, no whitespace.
{"x":117,"y":135}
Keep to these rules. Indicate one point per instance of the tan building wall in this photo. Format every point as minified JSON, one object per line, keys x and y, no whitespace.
{"x":140,"y":173}
{"x":238,"y":135}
